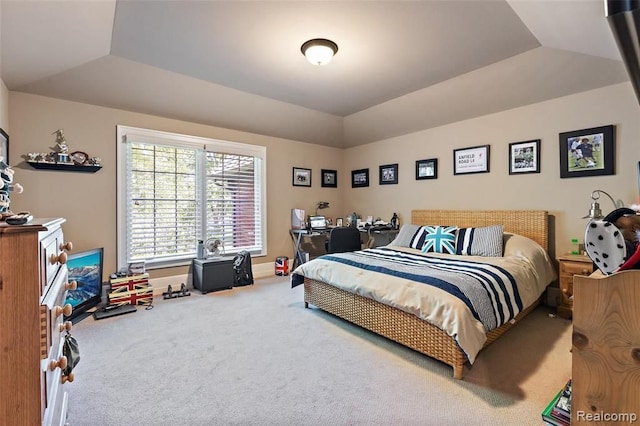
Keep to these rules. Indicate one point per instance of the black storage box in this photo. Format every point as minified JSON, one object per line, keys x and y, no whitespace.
{"x":213,"y":274}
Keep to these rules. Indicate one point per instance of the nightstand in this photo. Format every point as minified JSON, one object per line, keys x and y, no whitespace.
{"x":570,"y":265}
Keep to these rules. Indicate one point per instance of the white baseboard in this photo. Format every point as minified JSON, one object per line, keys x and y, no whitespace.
{"x":160,"y":285}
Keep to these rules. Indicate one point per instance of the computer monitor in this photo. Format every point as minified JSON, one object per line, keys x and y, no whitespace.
{"x":318,"y":222}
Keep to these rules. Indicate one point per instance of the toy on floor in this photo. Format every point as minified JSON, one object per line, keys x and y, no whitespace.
{"x":170,"y":294}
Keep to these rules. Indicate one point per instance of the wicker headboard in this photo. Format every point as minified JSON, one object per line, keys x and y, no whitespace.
{"x":533,"y":224}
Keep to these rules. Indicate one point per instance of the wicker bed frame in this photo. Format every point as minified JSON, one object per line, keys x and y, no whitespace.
{"x":408,"y":329}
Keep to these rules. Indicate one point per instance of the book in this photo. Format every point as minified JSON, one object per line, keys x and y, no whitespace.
{"x":549,"y":417}
{"x":562,"y":407}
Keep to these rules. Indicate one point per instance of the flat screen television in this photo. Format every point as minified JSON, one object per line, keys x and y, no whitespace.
{"x":86,"y":269}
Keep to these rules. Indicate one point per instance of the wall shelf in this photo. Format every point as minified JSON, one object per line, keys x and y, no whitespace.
{"x":64,"y":167}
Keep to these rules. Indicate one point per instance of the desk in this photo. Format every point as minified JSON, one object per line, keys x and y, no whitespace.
{"x":375,"y":237}
{"x":299,"y":255}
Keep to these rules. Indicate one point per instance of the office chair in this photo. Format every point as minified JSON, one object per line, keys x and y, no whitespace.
{"x":344,"y":239}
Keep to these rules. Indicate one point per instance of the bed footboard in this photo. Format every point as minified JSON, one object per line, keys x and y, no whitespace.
{"x":387,"y":321}
{"x":394,"y":324}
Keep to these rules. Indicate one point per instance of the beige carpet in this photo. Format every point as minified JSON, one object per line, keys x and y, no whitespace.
{"x":254,"y":356}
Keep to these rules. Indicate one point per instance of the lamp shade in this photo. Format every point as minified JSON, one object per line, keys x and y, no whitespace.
{"x":319,"y":51}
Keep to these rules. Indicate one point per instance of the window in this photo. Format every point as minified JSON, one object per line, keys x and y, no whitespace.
{"x":174,"y":190}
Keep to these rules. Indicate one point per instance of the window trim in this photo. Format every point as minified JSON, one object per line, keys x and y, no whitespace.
{"x":124,"y":133}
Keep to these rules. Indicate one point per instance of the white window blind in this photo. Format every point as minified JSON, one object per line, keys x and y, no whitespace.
{"x":175,"y":190}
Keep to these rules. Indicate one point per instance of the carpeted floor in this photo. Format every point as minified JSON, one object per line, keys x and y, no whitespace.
{"x":254,"y":356}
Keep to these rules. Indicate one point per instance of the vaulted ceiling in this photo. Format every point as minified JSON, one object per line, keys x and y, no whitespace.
{"x":401,"y":66}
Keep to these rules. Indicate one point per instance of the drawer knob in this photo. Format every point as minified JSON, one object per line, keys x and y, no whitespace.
{"x":71,"y":286}
{"x":60,"y":258}
{"x":66,"y":310}
{"x":66,"y":246}
{"x":68,"y":378}
{"x":65,"y":326}
{"x":60,"y":363}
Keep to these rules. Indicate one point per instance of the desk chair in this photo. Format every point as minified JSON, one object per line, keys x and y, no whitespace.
{"x":344,"y":239}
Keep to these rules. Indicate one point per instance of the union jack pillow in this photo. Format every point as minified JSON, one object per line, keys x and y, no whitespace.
{"x":437,"y":239}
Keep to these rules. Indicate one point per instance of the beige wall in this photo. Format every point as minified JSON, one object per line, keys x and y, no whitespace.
{"x":88,"y":201}
{"x":566,"y":199}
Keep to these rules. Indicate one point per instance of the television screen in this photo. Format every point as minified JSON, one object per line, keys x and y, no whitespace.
{"x":86,"y":269}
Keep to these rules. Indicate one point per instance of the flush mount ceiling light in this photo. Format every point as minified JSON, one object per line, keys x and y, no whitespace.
{"x":319,"y":51}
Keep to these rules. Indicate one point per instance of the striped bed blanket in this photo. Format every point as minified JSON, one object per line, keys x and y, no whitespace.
{"x":466,"y":296}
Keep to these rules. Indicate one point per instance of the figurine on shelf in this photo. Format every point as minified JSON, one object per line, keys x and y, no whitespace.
{"x":61,"y":146}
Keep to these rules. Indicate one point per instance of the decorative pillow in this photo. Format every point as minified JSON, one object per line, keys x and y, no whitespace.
{"x":486,"y":241}
{"x":437,"y":239}
{"x":406,"y":234}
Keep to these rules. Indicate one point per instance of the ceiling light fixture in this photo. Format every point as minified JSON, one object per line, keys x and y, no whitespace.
{"x":319,"y":51}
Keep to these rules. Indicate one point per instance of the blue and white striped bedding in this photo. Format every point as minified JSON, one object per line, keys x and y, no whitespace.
{"x":466,"y":296}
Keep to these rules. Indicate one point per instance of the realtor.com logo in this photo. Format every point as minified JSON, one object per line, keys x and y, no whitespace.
{"x":601,"y":416}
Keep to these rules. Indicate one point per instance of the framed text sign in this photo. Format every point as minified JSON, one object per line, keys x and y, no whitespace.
{"x":471,"y":160}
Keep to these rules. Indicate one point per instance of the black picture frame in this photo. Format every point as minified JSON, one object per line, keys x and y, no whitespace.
{"x":359,"y":178}
{"x":4,"y":146}
{"x":588,"y":152}
{"x":389,"y":174}
{"x":329,"y":178}
{"x":427,"y":169}
{"x":471,"y":160}
{"x":301,"y":177}
{"x":524,"y":157}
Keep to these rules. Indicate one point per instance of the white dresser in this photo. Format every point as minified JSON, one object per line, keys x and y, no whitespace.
{"x":33,"y":287}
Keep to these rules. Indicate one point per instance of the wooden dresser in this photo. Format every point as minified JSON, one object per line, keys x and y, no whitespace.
{"x":606,"y":349}
{"x":33,"y":287}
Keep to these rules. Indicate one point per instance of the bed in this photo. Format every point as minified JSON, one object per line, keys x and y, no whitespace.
{"x":352,"y":287}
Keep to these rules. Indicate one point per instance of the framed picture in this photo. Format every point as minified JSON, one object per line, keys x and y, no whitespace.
{"x":329,"y":178}
{"x":301,"y":177}
{"x":359,"y":178}
{"x":427,"y":169}
{"x":587,"y":152}
{"x":4,"y":146}
{"x":471,"y":160}
{"x":339,"y":221}
{"x":524,"y":157}
{"x":389,"y":174}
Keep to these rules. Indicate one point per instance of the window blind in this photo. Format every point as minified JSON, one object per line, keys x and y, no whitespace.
{"x":175,"y":190}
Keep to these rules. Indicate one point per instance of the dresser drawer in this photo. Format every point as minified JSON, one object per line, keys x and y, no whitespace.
{"x":51,"y":257}
{"x":53,"y":310}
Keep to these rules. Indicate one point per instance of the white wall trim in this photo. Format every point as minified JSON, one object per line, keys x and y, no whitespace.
{"x":160,"y":285}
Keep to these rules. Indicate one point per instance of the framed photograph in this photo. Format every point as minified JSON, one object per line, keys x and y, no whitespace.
{"x":4,"y":146}
{"x":329,"y":178}
{"x":587,"y":152}
{"x":427,"y":169}
{"x":471,"y":160}
{"x":339,"y":221}
{"x":389,"y":174}
{"x":301,"y":177}
{"x":524,"y":157}
{"x":359,"y":178}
